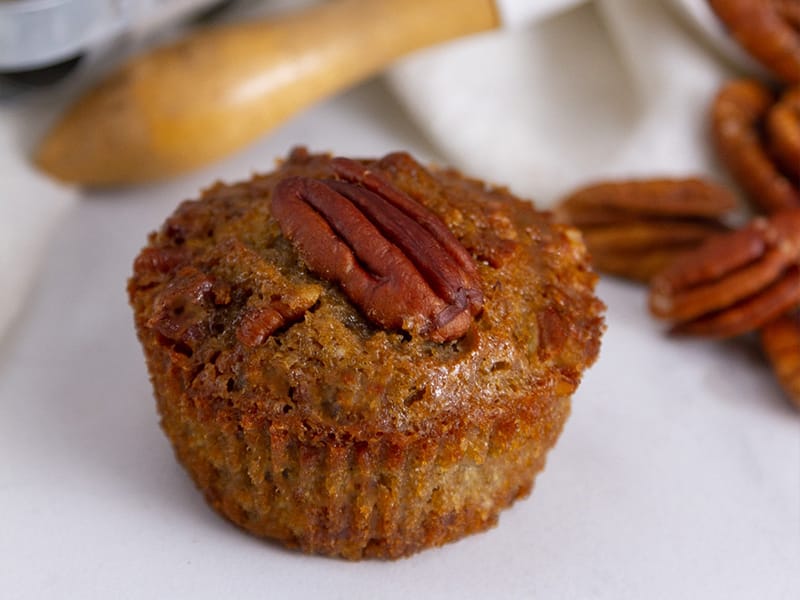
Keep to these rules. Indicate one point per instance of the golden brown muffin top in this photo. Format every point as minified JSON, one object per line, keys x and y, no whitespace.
{"x":207,"y":287}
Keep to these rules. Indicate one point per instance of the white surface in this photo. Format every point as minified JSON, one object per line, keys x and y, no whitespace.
{"x":677,"y":476}
{"x":31,"y":207}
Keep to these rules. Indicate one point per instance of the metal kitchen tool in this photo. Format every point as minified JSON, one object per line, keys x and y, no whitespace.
{"x":38,"y":34}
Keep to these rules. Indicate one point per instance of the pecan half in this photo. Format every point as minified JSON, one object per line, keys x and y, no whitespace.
{"x":780,"y":339}
{"x":783,"y":127}
{"x":768,"y":29}
{"x":735,"y":282}
{"x":635,"y":228}
{"x":393,"y":257}
{"x":738,"y":117}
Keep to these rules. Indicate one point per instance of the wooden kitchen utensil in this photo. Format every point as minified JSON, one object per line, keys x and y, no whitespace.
{"x":186,"y":104}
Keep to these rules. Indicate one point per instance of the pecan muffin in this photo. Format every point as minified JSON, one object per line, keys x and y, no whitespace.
{"x":363,"y":358}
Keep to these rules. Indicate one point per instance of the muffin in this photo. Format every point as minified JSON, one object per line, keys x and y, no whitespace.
{"x":363,"y":358}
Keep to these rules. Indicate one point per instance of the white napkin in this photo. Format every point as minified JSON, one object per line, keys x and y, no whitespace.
{"x":31,"y":206}
{"x":611,"y":88}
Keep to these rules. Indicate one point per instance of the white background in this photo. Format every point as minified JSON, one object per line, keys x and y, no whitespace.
{"x":677,"y":476}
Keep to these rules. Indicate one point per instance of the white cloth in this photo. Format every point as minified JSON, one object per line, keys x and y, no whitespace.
{"x":31,"y":206}
{"x":607,"y":88}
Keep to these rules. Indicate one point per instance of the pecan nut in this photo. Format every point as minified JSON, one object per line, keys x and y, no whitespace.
{"x":783,"y":127}
{"x":743,"y":141}
{"x":183,"y":310}
{"x":633,"y":229}
{"x":768,"y":29}
{"x":393,"y":257}
{"x":261,"y":317}
{"x":734,"y":282}
{"x":780,"y":340}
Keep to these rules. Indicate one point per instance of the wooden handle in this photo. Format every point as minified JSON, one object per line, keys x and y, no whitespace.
{"x":215,"y":91}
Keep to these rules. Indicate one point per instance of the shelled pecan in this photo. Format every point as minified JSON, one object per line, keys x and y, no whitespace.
{"x":783,"y":127}
{"x":739,"y":117}
{"x":780,"y":339}
{"x":768,"y":29}
{"x":393,"y":257}
{"x":635,"y":228}
{"x":735,"y":282}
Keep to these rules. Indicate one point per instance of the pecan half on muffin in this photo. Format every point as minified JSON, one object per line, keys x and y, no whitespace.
{"x":363,"y":358}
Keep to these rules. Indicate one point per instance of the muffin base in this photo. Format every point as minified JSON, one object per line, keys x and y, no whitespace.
{"x":389,"y":497}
